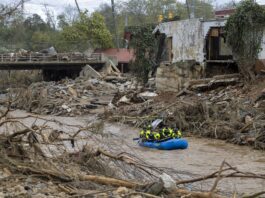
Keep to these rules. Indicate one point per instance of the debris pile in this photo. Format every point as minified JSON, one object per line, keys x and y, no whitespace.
{"x":234,"y":113}
{"x":37,"y":160}
{"x":68,"y":97}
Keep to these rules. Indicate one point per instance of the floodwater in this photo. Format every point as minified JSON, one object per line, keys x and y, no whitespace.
{"x":204,"y":156}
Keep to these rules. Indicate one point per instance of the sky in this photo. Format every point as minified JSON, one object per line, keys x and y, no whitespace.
{"x":57,"y":6}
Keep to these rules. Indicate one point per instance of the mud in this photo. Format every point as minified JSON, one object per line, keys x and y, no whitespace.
{"x":203,"y":156}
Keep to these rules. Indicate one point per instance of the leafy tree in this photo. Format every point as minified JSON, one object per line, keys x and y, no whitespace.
{"x":89,"y":28}
{"x":244,"y":34}
{"x":145,"y":45}
{"x":35,"y":23}
{"x":40,"y":40}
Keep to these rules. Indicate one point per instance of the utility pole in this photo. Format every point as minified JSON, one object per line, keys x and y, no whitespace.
{"x":192,"y":14}
{"x":22,"y":6}
{"x":188,"y":8}
{"x":126,"y":19}
{"x":114,"y":23}
{"x":77,"y":6}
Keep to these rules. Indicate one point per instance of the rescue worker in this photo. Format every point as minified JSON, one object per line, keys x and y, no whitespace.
{"x":142,"y":133}
{"x":165,"y":132}
{"x":171,"y":133}
{"x":157,"y":135}
{"x":149,"y":135}
{"x":178,"y":133}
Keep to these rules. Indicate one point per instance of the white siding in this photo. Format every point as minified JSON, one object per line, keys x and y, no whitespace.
{"x":188,"y":38}
{"x":187,"y":41}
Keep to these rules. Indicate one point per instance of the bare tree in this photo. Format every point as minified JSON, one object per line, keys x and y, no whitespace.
{"x":51,"y":19}
{"x":6,"y":10}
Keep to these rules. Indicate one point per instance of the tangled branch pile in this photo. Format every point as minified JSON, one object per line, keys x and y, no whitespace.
{"x":224,"y":113}
{"x":39,"y":161}
{"x":67,"y":97}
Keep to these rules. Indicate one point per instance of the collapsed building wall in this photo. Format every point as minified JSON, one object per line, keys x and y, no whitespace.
{"x":194,"y":49}
{"x":184,"y":55}
{"x":185,"y":37}
{"x":192,"y":46}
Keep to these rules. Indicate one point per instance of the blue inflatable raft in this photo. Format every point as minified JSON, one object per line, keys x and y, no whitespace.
{"x":170,"y":144}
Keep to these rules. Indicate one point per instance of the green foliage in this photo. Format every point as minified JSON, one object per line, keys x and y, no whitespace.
{"x":38,"y":39}
{"x":145,"y":45}
{"x":73,"y":33}
{"x":89,"y":29}
{"x":244,"y":31}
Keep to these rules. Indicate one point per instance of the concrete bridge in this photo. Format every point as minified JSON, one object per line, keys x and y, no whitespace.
{"x":53,"y":66}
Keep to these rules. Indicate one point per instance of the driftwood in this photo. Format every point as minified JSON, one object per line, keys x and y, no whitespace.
{"x":109,"y":181}
{"x":209,"y":83}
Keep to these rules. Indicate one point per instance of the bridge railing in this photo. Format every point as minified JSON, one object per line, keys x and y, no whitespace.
{"x":60,"y":57}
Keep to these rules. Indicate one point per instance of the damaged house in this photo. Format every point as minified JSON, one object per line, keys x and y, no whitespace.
{"x":194,"y":49}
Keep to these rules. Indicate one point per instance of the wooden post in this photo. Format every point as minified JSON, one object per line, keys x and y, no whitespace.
{"x":122,"y":69}
{"x":210,"y":43}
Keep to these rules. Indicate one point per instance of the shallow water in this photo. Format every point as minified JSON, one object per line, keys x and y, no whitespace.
{"x":203,"y":156}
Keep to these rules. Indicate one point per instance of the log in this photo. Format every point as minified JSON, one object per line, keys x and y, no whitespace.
{"x":109,"y":181}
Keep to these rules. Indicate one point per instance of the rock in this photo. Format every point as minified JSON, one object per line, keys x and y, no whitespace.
{"x":168,"y":181}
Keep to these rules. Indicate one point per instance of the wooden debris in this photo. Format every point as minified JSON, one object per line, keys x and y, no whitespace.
{"x":211,"y":83}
